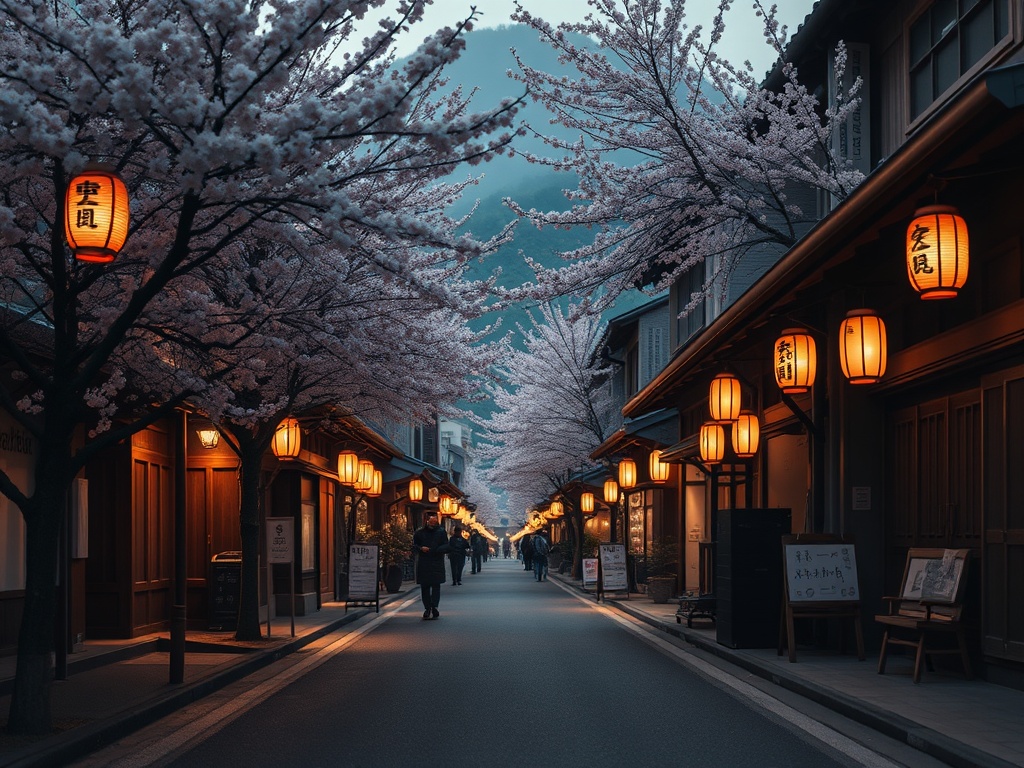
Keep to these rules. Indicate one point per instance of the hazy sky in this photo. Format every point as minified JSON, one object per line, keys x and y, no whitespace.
{"x":743,"y":37}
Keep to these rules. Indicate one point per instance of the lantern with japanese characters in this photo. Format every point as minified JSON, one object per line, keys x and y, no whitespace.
{"x":795,"y":361}
{"x":862,"y":346}
{"x":937,"y":252}
{"x":96,"y":214}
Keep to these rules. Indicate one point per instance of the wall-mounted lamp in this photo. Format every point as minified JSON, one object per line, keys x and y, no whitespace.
{"x":287,"y":439}
{"x":862,"y":346}
{"x":627,"y":473}
{"x":209,"y":438}
{"x":938,"y":252}
{"x":712,"y":443}
{"x":795,"y":361}
{"x":611,"y":491}
{"x":746,"y":435}
{"x":659,"y":470}
{"x":724,"y":398}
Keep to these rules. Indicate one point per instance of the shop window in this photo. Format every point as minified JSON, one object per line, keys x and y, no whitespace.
{"x":947,"y":40}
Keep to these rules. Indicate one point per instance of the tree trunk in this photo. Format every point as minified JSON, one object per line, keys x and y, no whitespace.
{"x":250,"y":515}
{"x":29,"y":711}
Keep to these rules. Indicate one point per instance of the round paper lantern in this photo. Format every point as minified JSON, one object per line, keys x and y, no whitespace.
{"x":712,"y":443}
{"x":938,"y":252}
{"x":586,"y":502}
{"x":627,"y":473}
{"x":862,"y":347}
{"x":795,"y":361}
{"x":348,"y":468}
{"x":96,"y":215}
{"x":611,"y":491}
{"x":659,"y":470}
{"x":287,"y":439}
{"x":746,"y":435}
{"x":725,"y":397}
{"x":365,"y":481}
{"x":415,"y":489}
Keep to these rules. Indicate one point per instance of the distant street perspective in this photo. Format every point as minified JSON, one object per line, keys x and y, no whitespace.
{"x":511,"y":670}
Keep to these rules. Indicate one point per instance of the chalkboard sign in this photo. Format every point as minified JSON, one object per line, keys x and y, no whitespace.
{"x":613,"y":568}
{"x":821,"y":572}
{"x":363,"y":584}
{"x":820,"y":582}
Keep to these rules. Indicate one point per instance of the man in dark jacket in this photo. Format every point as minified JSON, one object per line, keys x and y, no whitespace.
{"x":457,"y":555}
{"x":476,"y":546}
{"x":430,"y":544}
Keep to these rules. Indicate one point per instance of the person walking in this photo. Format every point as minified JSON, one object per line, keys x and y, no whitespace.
{"x":476,"y":545}
{"x":526,"y":545}
{"x":457,"y":556}
{"x":506,"y":547}
{"x":540,"y":556}
{"x":430,"y":544}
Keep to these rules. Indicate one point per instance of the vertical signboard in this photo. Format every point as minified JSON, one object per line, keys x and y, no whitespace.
{"x":363,"y":584}
{"x":280,"y":549}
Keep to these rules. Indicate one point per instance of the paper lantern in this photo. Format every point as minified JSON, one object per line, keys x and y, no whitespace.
{"x":862,"y":346}
{"x":555,"y":509}
{"x":348,"y":468}
{"x":365,"y":481}
{"x":627,"y":473}
{"x":746,"y":435}
{"x":938,"y":252}
{"x":611,"y":491}
{"x":415,"y":489}
{"x":725,"y":397}
{"x":376,"y":483}
{"x":287,"y":439}
{"x":96,"y":215}
{"x":587,"y":502}
{"x":712,"y":443}
{"x":659,"y":470}
{"x":795,"y":361}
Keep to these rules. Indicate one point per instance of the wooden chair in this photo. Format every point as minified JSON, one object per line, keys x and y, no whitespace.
{"x":930,"y":604}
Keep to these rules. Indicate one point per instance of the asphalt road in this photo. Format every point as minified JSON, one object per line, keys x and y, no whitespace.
{"x":513,"y":673}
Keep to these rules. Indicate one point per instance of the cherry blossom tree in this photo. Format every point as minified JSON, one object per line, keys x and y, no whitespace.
{"x":553,"y":408}
{"x":224,"y":119}
{"x":681,"y":156}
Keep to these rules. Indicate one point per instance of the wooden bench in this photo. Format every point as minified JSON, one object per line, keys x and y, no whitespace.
{"x":929,"y":605}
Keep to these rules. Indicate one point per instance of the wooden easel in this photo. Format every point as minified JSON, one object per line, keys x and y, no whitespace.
{"x":819,"y":577}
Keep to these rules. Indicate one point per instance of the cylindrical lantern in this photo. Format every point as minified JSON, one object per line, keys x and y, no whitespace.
{"x":659,"y":469}
{"x":586,"y":502}
{"x":746,"y":435}
{"x":556,"y":508}
{"x":862,"y":347}
{"x":415,"y":489}
{"x":447,"y":506}
{"x":712,"y":443}
{"x":627,"y":473}
{"x":795,"y":361}
{"x":365,"y":481}
{"x":376,"y":483}
{"x":724,"y":398}
{"x":209,"y":438}
{"x":348,"y":468}
{"x":96,"y":215}
{"x":287,"y":439}
{"x":937,"y":252}
{"x":611,"y":491}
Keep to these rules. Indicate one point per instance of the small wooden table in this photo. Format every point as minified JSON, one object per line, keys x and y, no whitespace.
{"x":693,"y":606}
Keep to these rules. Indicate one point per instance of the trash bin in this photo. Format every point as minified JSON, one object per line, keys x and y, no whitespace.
{"x":225,"y":589}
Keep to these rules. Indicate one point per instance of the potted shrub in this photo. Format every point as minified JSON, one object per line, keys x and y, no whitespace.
{"x":394,"y":542}
{"x":661,"y":581}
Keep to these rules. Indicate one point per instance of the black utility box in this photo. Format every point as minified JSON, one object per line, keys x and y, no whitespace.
{"x":748,"y":576}
{"x":225,"y":590}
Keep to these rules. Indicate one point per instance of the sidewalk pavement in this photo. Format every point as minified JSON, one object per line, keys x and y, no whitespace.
{"x":117,"y":687}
